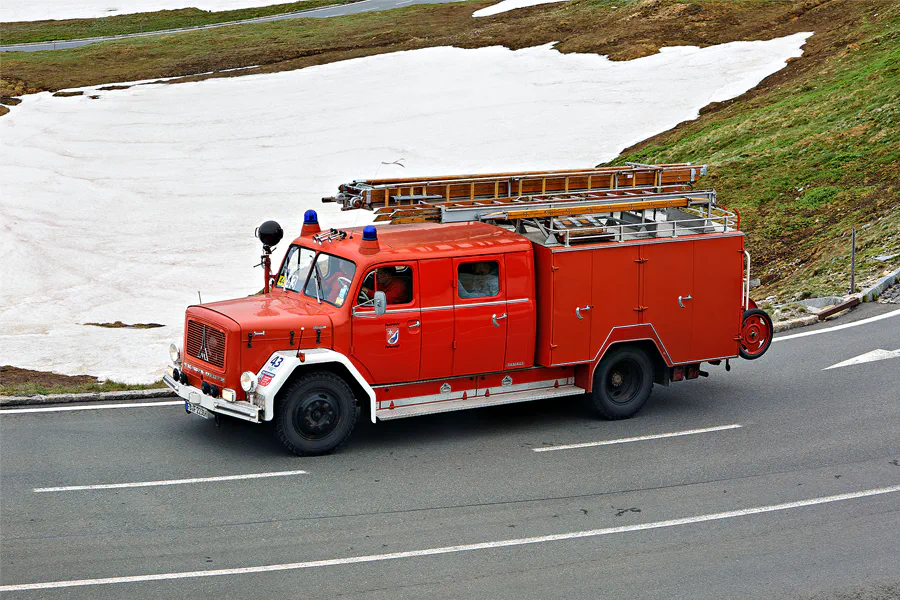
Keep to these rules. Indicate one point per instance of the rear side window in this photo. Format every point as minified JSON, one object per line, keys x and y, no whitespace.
{"x":478,"y":279}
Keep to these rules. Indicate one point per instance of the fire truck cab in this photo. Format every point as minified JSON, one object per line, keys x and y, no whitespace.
{"x":418,"y":317}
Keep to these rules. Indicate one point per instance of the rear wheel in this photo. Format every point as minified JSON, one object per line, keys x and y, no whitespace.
{"x":622,"y":383}
{"x":316,"y":414}
{"x":756,"y":333}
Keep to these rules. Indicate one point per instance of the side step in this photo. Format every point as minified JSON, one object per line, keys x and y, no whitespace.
{"x":431,"y":408}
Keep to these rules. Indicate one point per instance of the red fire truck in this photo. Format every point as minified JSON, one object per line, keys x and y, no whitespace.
{"x":474,"y":291}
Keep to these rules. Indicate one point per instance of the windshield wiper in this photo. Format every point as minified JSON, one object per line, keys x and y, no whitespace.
{"x":318,"y":279}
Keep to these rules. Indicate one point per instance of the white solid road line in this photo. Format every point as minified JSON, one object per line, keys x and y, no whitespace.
{"x":453,"y":549}
{"x":113,"y":486}
{"x":888,"y":315}
{"x":641,"y":438}
{"x":17,"y":411}
{"x":874,"y":355}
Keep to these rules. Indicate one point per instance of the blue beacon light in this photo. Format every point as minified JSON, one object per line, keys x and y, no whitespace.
{"x":369,"y":233}
{"x":310,"y":218}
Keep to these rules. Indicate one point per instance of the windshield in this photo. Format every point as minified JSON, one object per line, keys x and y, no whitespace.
{"x":330,"y":279}
{"x":296,"y":268}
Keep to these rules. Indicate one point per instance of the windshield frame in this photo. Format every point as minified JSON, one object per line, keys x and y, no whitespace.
{"x":317,"y":295}
{"x":281,"y":283}
{"x":321,"y":295}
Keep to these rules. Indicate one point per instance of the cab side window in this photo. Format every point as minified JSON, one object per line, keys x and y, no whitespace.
{"x":395,"y":281}
{"x":478,"y":279}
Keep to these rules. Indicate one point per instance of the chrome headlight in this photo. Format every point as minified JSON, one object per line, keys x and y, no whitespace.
{"x":175,"y":353}
{"x":248,"y":381}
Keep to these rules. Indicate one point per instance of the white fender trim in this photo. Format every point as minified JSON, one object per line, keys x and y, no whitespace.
{"x":282,"y":364}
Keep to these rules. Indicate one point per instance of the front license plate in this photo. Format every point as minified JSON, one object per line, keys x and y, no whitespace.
{"x":196,"y":409}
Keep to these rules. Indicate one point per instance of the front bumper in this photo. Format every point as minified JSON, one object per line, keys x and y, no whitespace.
{"x":239,"y":410}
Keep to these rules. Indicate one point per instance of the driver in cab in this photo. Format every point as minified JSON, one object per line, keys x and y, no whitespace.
{"x":396,"y":289}
{"x":337,"y":281}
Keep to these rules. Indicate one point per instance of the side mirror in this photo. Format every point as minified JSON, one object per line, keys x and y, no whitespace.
{"x":380,"y":303}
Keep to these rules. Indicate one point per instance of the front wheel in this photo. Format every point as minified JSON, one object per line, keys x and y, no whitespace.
{"x":316,"y":414}
{"x":622,"y":383}
{"x":756,"y":333}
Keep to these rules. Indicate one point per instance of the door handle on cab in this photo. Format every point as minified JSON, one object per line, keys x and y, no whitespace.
{"x":680,"y":299}
{"x":578,"y":310}
{"x":495,"y":318}
{"x":414,"y":324}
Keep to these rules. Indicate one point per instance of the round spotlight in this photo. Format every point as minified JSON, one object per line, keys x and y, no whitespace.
{"x":176,"y":374}
{"x":205,"y":388}
{"x":214,"y":391}
{"x":248,"y":381}
{"x":184,"y":379}
{"x":269,"y":233}
{"x":174,"y":353}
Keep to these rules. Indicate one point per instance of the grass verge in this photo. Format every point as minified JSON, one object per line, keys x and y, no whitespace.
{"x":25,"y":382}
{"x":71,"y":29}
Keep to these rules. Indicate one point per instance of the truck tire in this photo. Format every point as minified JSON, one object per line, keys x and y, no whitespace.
{"x":316,"y":414}
{"x":622,"y":383}
{"x":756,"y":333}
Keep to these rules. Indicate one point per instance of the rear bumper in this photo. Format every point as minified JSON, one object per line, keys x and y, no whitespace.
{"x":239,"y":410}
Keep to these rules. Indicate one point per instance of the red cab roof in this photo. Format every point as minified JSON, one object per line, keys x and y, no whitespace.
{"x":427,"y":240}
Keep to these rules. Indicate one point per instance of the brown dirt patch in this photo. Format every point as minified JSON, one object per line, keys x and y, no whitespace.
{"x":121,"y":325}
{"x":11,"y":376}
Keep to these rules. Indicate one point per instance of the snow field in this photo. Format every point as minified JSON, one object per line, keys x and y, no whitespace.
{"x":123,"y":207}
{"x":507,"y":5}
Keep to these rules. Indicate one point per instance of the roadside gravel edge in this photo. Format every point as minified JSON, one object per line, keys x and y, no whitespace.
{"x":88,"y":397}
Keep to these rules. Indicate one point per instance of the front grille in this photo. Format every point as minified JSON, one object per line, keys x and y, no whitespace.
{"x":206,"y":343}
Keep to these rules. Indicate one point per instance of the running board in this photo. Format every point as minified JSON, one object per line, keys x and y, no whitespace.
{"x":431,"y":408}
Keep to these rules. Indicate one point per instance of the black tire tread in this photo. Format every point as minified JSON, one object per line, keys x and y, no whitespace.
{"x":598,"y":405}
{"x":283,"y":402}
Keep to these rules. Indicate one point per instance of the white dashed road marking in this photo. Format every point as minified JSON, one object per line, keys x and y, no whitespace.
{"x":19,"y":411}
{"x":641,"y":438}
{"x":872,"y":356}
{"x":452,"y":549}
{"x":782,"y":338}
{"x":113,"y":486}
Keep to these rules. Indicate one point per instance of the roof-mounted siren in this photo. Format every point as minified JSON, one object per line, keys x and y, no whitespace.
{"x":310,"y":223}
{"x":369,"y":243}
{"x":269,"y":233}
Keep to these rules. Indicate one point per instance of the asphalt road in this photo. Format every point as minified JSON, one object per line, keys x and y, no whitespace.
{"x":802,"y":500}
{"x":324,"y":12}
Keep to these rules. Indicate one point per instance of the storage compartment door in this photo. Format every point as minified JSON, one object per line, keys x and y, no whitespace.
{"x":718,"y":275}
{"x":615,"y":291}
{"x":572,"y":307}
{"x":667,"y":295}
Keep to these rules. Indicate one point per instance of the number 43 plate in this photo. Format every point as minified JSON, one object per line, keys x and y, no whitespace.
{"x":197,"y":410}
